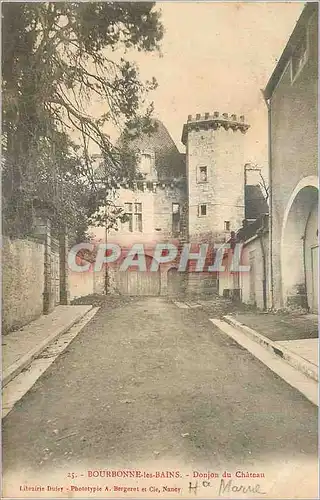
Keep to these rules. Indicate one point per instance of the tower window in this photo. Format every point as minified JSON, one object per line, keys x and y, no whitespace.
{"x":175,"y":208}
{"x":203,"y":174}
{"x":227,"y":225}
{"x":202,"y":210}
{"x":175,"y":219}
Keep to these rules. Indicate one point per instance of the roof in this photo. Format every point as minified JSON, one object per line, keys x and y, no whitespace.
{"x":309,"y":9}
{"x":258,"y":227}
{"x":255,"y":203}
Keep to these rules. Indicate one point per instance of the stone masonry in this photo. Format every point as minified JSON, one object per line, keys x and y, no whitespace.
{"x":214,"y":142}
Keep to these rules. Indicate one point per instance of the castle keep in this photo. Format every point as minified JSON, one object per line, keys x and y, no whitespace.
{"x":215,"y":176}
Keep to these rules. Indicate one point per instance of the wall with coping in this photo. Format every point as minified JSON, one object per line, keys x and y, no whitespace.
{"x":22,"y":282}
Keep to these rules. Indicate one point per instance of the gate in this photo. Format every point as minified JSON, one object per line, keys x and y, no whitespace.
{"x":135,"y":282}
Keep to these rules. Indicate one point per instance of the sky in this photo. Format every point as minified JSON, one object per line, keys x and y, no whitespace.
{"x":216,"y":56}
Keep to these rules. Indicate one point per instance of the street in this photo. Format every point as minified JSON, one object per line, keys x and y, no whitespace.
{"x":151,"y":382}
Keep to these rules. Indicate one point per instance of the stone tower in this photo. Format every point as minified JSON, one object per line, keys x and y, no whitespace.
{"x":214,"y":166}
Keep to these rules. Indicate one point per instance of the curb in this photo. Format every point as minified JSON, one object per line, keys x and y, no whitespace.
{"x":292,"y":359}
{"x":21,"y":385}
{"x":24,"y":362}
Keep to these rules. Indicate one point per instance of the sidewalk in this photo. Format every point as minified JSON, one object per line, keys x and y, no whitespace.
{"x":292,"y":337}
{"x":20,"y":347}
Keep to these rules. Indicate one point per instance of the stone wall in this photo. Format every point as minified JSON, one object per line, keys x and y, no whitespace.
{"x":81,"y":284}
{"x":201,"y":283}
{"x":89,"y":282}
{"x":22,"y":282}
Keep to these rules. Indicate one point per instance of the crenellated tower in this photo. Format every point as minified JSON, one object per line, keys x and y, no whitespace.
{"x":214,"y":167}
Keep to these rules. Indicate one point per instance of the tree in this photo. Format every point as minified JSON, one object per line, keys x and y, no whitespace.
{"x":264,"y":187}
{"x":57,"y":58}
{"x":253,"y":167}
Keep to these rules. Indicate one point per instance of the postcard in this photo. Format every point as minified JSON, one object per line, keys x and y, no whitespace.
{"x":160,"y":250}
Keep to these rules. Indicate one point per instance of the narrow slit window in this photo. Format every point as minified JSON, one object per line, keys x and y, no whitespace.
{"x":138,"y":217}
{"x":203,"y":174}
{"x":175,"y":219}
{"x":203,"y":210}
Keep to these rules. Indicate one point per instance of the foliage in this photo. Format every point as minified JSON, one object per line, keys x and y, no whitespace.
{"x":254,"y":167}
{"x":264,"y":187}
{"x":59,"y":58}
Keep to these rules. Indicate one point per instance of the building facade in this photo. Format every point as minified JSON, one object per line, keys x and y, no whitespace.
{"x":202,"y":196}
{"x":155,"y":209}
{"x":291,"y":95}
{"x":193,"y":198}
